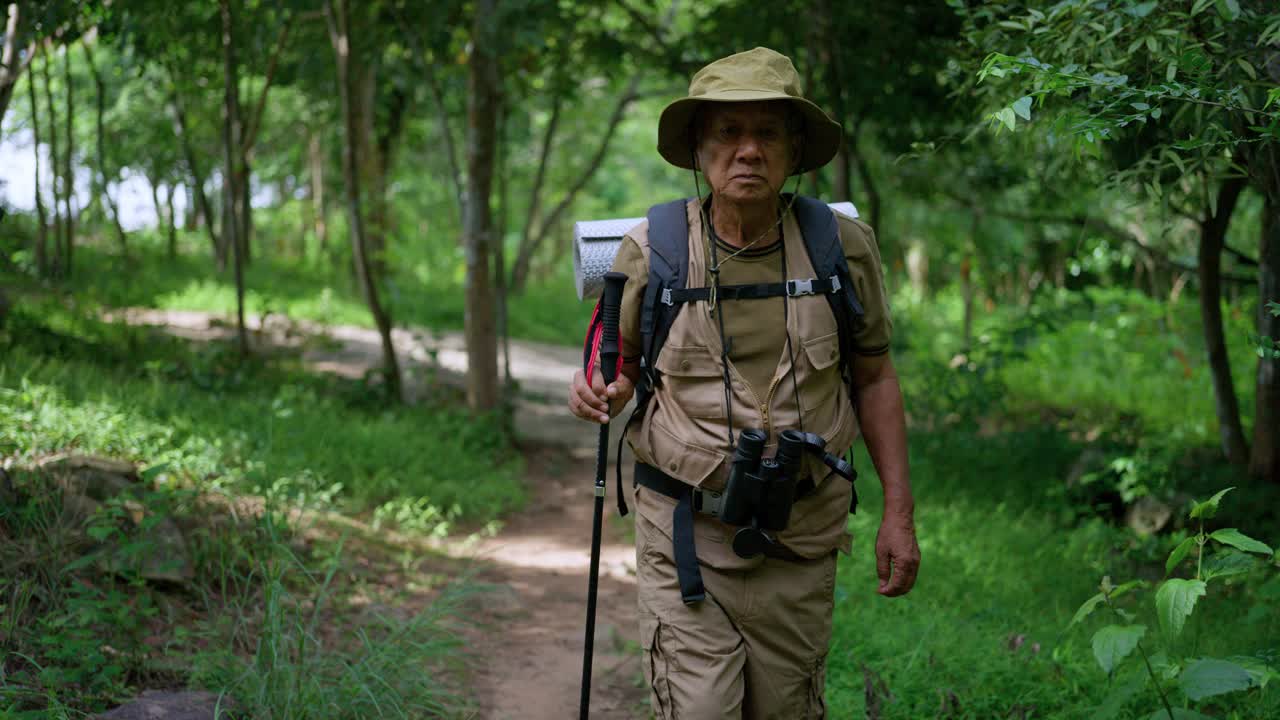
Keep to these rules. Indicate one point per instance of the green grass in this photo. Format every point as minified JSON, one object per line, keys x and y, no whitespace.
{"x":419,"y":293}
{"x":80,"y":629}
{"x":1002,"y":567}
{"x":251,"y":426}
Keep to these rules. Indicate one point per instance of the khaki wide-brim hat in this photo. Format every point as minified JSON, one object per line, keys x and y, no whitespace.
{"x":752,"y":76}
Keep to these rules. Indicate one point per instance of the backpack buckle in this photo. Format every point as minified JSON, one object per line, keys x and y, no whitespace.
{"x":666,"y":297}
{"x":835,"y":283}
{"x":796,"y":288}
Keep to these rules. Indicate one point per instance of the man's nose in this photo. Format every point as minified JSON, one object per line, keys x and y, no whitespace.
{"x":749,"y":148}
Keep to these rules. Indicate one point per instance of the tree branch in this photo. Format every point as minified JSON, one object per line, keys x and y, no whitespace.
{"x":255,"y":120}
{"x":626,"y":99}
{"x":442,"y":113}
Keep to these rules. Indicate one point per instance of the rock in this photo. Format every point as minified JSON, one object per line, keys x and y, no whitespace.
{"x":1091,"y":460}
{"x":87,"y":481}
{"x":96,"y":477}
{"x":1147,"y":515}
{"x":161,"y":705}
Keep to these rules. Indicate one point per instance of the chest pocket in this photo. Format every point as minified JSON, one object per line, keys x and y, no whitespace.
{"x":694,"y":380}
{"x":821,"y":371}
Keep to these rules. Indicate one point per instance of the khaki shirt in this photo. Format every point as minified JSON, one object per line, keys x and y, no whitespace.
{"x":684,"y":431}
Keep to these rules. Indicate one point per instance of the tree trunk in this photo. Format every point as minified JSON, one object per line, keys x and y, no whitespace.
{"x":484,"y":97}
{"x":155,"y":202}
{"x":1213,"y":234}
{"x":500,"y":262}
{"x":230,"y":144}
{"x":197,"y":176}
{"x":102,"y":189}
{"x":1265,"y":461}
{"x":868,"y":184}
{"x":337,"y":19}
{"x":173,"y":219}
{"x":11,"y":67}
{"x":55,"y":172}
{"x":315,"y":163}
{"x":42,"y":233}
{"x":69,"y":176}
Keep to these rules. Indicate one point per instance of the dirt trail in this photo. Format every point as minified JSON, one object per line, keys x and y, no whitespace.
{"x":527,"y":644}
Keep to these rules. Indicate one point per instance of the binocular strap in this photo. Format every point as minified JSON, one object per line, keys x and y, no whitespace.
{"x":686,"y":555}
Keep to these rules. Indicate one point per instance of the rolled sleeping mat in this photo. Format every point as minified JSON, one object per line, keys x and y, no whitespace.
{"x":596,"y":242}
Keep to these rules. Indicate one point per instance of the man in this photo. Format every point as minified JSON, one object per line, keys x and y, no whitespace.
{"x":734,"y":636}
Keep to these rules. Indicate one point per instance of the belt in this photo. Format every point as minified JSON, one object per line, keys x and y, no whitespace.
{"x":688,"y":501}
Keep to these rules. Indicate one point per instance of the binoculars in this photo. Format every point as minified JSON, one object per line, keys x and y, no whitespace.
{"x":761,"y":491}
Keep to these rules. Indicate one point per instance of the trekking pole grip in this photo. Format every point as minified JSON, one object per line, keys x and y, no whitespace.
{"x":611,"y":304}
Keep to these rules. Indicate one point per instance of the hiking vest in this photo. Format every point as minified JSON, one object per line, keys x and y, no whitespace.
{"x":682,"y":431}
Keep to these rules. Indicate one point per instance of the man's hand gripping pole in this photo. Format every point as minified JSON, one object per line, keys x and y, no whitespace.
{"x":610,"y":303}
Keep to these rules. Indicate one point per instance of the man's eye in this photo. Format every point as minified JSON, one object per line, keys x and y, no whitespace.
{"x":769,"y":134}
{"x":729,"y":132}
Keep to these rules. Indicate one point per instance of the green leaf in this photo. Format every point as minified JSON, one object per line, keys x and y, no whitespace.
{"x":1140,"y":106}
{"x":1023,"y":108}
{"x":1144,"y":9}
{"x":1178,"y":554}
{"x":150,"y":474}
{"x":1175,"y":600}
{"x":1171,"y":72}
{"x":100,"y":532}
{"x":1087,"y":608}
{"x":1209,"y":508}
{"x":1007,"y":117}
{"x":1247,"y":68}
{"x":1120,"y":695}
{"x":1207,"y":677}
{"x":1123,"y":588}
{"x":1155,"y":113}
{"x":1225,"y":564}
{"x":1178,"y":714}
{"x":1237,"y":539}
{"x":1113,"y":643}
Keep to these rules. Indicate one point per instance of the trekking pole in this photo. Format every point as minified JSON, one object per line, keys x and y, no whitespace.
{"x":610,"y":301}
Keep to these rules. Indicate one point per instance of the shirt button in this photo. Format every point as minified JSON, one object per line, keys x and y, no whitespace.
{"x":673,"y":467}
{"x":684,"y":364}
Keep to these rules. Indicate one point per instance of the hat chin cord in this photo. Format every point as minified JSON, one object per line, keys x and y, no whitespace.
{"x":714,"y":269}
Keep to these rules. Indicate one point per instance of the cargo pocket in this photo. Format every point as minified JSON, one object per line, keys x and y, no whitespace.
{"x":656,"y":663}
{"x":695,"y":379}
{"x":817,"y":691}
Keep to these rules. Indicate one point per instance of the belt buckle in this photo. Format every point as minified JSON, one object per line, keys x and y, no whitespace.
{"x":710,"y":503}
{"x":796,"y":288}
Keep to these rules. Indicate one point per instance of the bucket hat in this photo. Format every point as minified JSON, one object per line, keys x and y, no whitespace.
{"x":751,"y":76}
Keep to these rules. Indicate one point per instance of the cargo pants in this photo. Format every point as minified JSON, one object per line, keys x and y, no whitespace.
{"x":754,"y":649}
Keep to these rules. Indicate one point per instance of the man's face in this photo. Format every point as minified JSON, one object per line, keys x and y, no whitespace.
{"x":744,"y":149}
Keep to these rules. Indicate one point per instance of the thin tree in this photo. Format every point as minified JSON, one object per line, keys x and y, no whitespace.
{"x":231,"y":141}
{"x":483,"y":103}
{"x":69,"y":177}
{"x":11,"y":65}
{"x":55,"y":160}
{"x":337,"y":19}
{"x":101,"y":187}
{"x":42,"y":235}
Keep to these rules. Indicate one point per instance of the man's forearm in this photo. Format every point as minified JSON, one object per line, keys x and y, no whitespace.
{"x":884,"y":429}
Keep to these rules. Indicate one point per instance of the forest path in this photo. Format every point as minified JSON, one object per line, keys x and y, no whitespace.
{"x":526,"y":639}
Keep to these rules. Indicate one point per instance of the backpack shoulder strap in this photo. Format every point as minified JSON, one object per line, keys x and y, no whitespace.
{"x":822,"y":241}
{"x":668,"y":267}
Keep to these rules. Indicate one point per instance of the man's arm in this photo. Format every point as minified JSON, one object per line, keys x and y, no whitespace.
{"x":884,"y":429}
